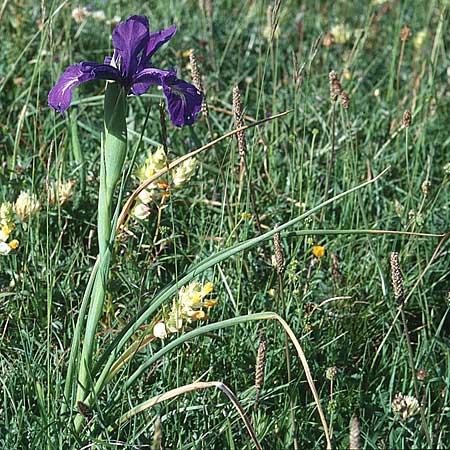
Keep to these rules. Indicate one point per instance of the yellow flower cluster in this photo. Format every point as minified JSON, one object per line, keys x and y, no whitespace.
{"x":188,"y":307}
{"x":155,"y":162}
{"x":6,"y":228}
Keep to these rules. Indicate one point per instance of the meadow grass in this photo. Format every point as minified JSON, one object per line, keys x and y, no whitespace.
{"x":340,"y":305}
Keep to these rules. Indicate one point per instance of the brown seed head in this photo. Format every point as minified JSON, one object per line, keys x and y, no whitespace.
{"x":279,"y":254}
{"x":239,"y":121}
{"x":260,"y":365}
{"x":405,"y":33}
{"x":197,"y":79}
{"x":328,"y":40}
{"x":355,"y":434}
{"x":335,"y":86}
{"x":157,"y":435}
{"x":345,"y":100}
{"x":406,"y":121}
{"x":397,"y":278}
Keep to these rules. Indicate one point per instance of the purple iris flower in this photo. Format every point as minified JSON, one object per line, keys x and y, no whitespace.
{"x":131,"y":66}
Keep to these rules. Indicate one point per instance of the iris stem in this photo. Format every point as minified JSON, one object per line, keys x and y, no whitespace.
{"x":113,"y":152}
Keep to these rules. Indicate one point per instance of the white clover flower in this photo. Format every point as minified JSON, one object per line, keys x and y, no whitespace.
{"x":25,"y":205}
{"x":61,"y":192}
{"x":79,"y":15}
{"x":405,"y":406}
{"x":114,"y":21}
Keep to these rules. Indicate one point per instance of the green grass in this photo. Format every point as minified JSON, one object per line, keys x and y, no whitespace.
{"x":43,"y":281}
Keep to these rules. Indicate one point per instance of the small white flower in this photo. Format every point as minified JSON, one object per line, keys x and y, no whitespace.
{"x":99,"y":16}
{"x":4,"y":248}
{"x":145,"y":196}
{"x":141,"y":211}
{"x":405,"y":406}
{"x":26,"y":205}
{"x":159,"y":330}
{"x":80,"y":14}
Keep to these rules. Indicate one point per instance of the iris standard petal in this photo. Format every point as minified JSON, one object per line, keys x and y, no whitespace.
{"x":157,"y":39}
{"x":130,"y":39}
{"x":60,"y":96}
{"x":184,"y":100}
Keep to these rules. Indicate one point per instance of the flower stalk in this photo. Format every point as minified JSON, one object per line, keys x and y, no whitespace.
{"x":112,"y":159}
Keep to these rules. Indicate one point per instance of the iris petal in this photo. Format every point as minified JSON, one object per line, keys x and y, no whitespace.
{"x":60,"y":96}
{"x":157,"y":39}
{"x":146,"y":78}
{"x":130,"y":38}
{"x":184,"y":100}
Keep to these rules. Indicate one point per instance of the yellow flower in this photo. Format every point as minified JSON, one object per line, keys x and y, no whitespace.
{"x":5,"y":231}
{"x":14,"y":244}
{"x":246,"y":216}
{"x":186,"y":53}
{"x":318,"y":251}
{"x":341,"y":33}
{"x":419,"y":39}
{"x":183,"y":172}
{"x":154,"y":163}
{"x":210,"y":303}
{"x":197,"y":315}
{"x":271,"y":292}
{"x":207,"y":288}
{"x":188,"y":307}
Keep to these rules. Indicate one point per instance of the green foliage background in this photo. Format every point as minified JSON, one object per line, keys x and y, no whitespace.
{"x":42,"y":282}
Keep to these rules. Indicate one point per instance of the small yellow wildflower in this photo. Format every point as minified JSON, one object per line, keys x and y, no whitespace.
{"x":183,"y":172}
{"x":210,"y":303}
{"x":5,"y":231}
{"x":189,"y":305}
{"x":197,"y":315}
{"x":271,"y":292}
{"x":246,"y":216}
{"x":419,"y":39}
{"x":186,"y":53}
{"x":14,"y":244}
{"x":318,"y":251}
{"x":341,"y":33}
{"x":207,"y":288}
{"x":347,"y":74}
